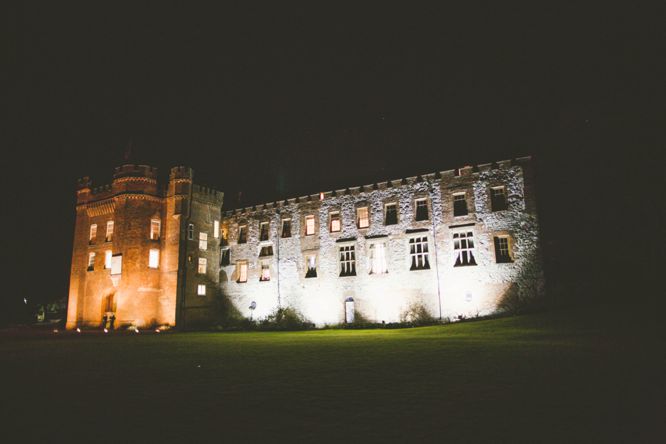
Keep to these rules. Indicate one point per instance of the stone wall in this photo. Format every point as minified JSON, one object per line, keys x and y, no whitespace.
{"x":444,"y":289}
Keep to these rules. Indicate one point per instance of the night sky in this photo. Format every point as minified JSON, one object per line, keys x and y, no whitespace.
{"x":282,"y":102}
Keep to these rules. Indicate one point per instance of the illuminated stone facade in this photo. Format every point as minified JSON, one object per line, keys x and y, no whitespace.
{"x":458,"y":242}
{"x":136,"y":251}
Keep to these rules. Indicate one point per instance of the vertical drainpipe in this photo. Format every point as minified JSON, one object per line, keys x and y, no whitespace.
{"x":434,"y":235}
{"x":278,"y":258}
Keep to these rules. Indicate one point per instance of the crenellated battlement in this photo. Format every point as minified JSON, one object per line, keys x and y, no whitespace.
{"x":448,"y":175}
{"x":181,"y":173}
{"x":208,"y":194}
{"x":135,"y":172}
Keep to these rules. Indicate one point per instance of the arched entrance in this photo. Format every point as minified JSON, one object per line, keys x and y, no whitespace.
{"x":349,"y":310}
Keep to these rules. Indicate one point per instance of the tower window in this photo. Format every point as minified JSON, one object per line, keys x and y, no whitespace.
{"x":154,"y":258}
{"x":203,"y":241}
{"x":503,"y":253}
{"x":225,"y":257}
{"x":107,"y":259}
{"x":311,"y":264}
{"x":347,"y":261}
{"x":463,"y":248}
{"x":201,"y":269}
{"x":93,"y":233}
{"x":418,"y":253}
{"x":155,"y":226}
{"x":242,"y":234}
{"x":309,"y":225}
{"x":91,"y":261}
{"x":378,"y":258}
{"x":241,"y":267}
{"x":362,"y":218}
{"x":190,"y":232}
{"x":109,"y":231}
{"x":335,"y":224}
{"x":390,"y":214}
{"x":460,"y":204}
{"x":498,"y":199}
{"x":421,"y":209}
{"x":286,"y":227}
{"x":216,"y":229}
{"x":201,"y":289}
{"x":263,"y":231}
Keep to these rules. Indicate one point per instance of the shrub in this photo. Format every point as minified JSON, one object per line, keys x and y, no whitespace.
{"x":417,"y":314}
{"x":285,"y":319}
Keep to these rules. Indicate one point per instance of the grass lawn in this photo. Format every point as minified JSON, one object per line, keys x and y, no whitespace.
{"x":554,"y":377}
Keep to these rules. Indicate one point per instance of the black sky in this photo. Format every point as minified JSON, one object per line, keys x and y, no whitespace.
{"x":285,"y":101}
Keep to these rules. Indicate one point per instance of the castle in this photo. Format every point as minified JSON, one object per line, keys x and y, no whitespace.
{"x":455,"y":243}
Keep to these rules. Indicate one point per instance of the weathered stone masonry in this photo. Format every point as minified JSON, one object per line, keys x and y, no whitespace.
{"x":446,"y":290}
{"x":455,"y":242}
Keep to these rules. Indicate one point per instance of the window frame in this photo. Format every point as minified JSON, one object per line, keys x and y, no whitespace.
{"x":108,"y":257}
{"x":202,"y":261}
{"x":334,"y":216}
{"x":347,"y":260}
{"x":306,"y":218}
{"x":505,"y":199}
{"x":367,"y":217}
{"x":419,"y":260}
{"x":91,"y":261}
{"x":264,"y":264}
{"x":454,"y":199}
{"x":509,"y":258}
{"x":190,"y":231}
{"x":110,"y":225}
{"x":155,"y":235}
{"x":373,"y":256}
{"x":416,"y":209}
{"x":240,"y":265}
{"x":464,"y":236}
{"x":154,"y":258}
{"x":397,"y":219}
{"x":242,"y":234}
{"x":264,"y":228}
{"x":216,"y":229}
{"x":203,"y":241}
{"x":92,"y":234}
{"x":311,"y":272}
{"x":201,"y":289}
{"x":286,"y":220}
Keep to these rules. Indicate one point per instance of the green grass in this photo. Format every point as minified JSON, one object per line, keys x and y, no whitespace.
{"x":555,"y":377}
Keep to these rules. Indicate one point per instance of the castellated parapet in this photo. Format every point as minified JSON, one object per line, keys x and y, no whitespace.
{"x":133,"y":247}
{"x":456,"y":242}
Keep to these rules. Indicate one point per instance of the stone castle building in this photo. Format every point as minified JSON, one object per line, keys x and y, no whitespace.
{"x":455,"y":243}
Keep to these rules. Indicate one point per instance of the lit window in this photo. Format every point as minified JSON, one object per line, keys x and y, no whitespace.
{"x":378,"y":258}
{"x":335,"y":224}
{"x":225,"y":257}
{"x":503,"y":253}
{"x":347,"y":261}
{"x":203,"y":241}
{"x":109,"y":231}
{"x":190,"y":232}
{"x":266,"y":251}
{"x":498,"y":199}
{"x":286,"y":227}
{"x":362,"y":220}
{"x":91,"y":261}
{"x":216,"y":229}
{"x":201,"y":289}
{"x":459,"y":204}
{"x":107,"y":258}
{"x":463,"y":248}
{"x":418,"y":253}
{"x":93,"y":233}
{"x":311,"y":264}
{"x":242,"y":234}
{"x":309,"y":225}
{"x":265,"y":271}
{"x":241,"y":267}
{"x":201,"y":269}
{"x":155,"y":225}
{"x":390,"y":214}
{"x":421,"y":209}
{"x":154,"y":258}
{"x":263,"y":231}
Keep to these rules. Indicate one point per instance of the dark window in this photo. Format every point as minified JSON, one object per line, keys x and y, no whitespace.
{"x":502,"y":250}
{"x":498,"y":199}
{"x":263,"y":234}
{"x":463,"y":247}
{"x":459,"y":205}
{"x":311,"y":263}
{"x":266,"y":251}
{"x":418,"y":252}
{"x":421,"y":209}
{"x":391,"y":215}
{"x":286,"y":228}
{"x":224,"y":258}
{"x":347,"y":261}
{"x":190,"y":231}
{"x":242,"y":234}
